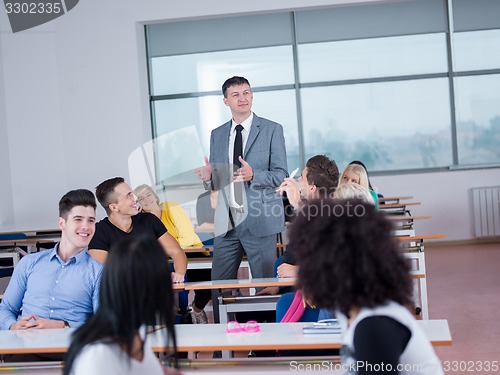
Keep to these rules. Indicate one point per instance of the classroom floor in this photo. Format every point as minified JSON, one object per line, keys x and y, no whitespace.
{"x":464,"y":287}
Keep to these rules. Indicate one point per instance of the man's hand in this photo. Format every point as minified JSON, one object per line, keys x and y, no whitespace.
{"x":287,"y":270}
{"x":177,"y":278}
{"x":245,"y":173}
{"x":34,"y":322}
{"x":292,"y":191}
{"x":205,"y":172}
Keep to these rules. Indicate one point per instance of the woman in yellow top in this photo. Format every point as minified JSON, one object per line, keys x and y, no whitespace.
{"x":171,"y":214}
{"x":179,"y":226}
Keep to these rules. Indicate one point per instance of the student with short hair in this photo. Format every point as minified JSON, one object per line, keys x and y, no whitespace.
{"x":59,"y":287}
{"x":356,"y":173}
{"x":318,"y":179}
{"x":125,"y":220}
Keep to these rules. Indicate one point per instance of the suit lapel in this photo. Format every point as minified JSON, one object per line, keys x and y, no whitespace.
{"x":254,"y":132}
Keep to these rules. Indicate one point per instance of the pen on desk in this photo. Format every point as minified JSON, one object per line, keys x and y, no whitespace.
{"x":294,"y":172}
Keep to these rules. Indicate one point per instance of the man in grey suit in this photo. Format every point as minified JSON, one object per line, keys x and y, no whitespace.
{"x":249,"y":211}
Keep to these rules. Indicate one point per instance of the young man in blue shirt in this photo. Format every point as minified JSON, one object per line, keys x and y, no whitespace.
{"x":57,"y":288}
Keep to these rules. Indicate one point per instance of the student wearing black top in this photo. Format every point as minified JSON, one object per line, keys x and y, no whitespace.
{"x":124,"y":220}
{"x":349,"y":264}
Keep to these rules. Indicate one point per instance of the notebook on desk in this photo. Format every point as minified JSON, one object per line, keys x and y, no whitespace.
{"x":322,"y":326}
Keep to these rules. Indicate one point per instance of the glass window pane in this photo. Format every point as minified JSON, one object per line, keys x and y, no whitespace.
{"x":477,"y":50}
{"x":388,"y":126}
{"x":370,"y":58}
{"x":478,"y":119}
{"x":207,"y":71}
{"x":205,"y":114}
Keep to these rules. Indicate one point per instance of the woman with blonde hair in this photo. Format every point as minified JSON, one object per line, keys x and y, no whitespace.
{"x":171,"y":214}
{"x":356,"y":174}
{"x":351,"y":191}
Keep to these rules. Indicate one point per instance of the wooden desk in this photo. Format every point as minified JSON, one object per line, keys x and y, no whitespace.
{"x":406,"y":221}
{"x":407,"y":217}
{"x":208,"y":337}
{"x":395,"y":199}
{"x":242,"y":283}
{"x":16,"y":251}
{"x":398,"y":205}
{"x":223,"y":306}
{"x":196,"y":249}
{"x":26,"y":241}
{"x":416,"y":242}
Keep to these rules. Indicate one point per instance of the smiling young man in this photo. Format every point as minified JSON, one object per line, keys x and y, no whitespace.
{"x":60,"y":287}
{"x":124,"y":219}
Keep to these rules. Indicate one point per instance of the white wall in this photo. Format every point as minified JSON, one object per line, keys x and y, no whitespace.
{"x":446,"y":196}
{"x":74,"y":105}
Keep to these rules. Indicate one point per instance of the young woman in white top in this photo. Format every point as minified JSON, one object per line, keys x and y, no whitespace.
{"x":349,"y":263}
{"x":135,"y":296}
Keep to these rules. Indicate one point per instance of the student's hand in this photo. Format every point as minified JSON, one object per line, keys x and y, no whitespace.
{"x":292,"y":191}
{"x":287,"y":270}
{"x":245,"y":173}
{"x":21,"y":323}
{"x":205,"y":172}
{"x":34,"y":322}
{"x":270,"y":291}
{"x":177,"y":278}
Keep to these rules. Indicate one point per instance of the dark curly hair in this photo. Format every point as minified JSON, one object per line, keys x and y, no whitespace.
{"x":347,"y":256}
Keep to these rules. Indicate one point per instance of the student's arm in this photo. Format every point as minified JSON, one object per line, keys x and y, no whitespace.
{"x":13,"y":297}
{"x":287,"y":270}
{"x":175,"y":252}
{"x":99,"y":255}
{"x":99,"y":244}
{"x":291,"y":187}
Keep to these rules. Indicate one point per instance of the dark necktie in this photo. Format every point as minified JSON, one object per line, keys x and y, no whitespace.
{"x":238,"y":151}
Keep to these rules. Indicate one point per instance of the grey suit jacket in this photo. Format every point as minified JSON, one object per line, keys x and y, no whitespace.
{"x":265,"y":152}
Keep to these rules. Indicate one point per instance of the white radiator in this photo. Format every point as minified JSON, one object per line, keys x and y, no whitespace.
{"x":486,"y":203}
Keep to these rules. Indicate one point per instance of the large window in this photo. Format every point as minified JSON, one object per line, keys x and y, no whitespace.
{"x":398,"y":85}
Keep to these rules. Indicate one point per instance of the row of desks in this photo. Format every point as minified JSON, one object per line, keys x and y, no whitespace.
{"x":194,"y":338}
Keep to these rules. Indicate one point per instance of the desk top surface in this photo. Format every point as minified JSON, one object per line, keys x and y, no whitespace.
{"x":398,"y":205}
{"x":29,"y":228}
{"x":208,"y":337}
{"x":407,"y":217}
{"x":241,"y":283}
{"x":421,"y":237}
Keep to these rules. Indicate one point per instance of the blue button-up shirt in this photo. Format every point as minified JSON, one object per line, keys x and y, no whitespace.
{"x":44,"y":285}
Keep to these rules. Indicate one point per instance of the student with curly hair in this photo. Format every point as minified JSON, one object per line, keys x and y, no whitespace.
{"x":350,"y":264}
{"x":135,"y":296}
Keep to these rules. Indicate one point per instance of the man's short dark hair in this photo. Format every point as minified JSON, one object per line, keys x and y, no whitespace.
{"x":104,"y":192}
{"x":233,"y":81}
{"x":79,"y":197}
{"x":324,"y":173}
